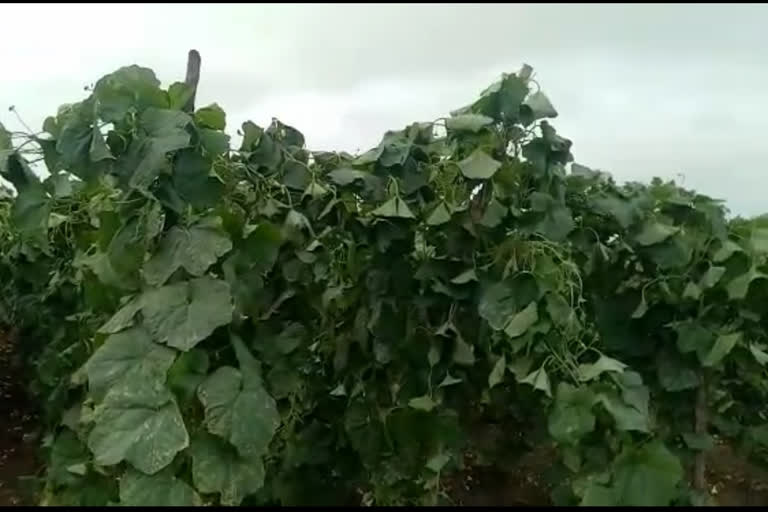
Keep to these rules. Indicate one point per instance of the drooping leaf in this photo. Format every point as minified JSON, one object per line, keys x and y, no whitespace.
{"x":468,"y":122}
{"x":479,"y":166}
{"x":395,"y":207}
{"x":592,"y":371}
{"x":539,"y":380}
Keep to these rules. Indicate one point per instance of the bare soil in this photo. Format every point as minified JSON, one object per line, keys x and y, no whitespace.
{"x":17,"y":421}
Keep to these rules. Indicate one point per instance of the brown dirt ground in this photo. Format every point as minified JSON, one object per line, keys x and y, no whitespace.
{"x":17,"y":457}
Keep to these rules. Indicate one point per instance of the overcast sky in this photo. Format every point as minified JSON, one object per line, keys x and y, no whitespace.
{"x":642,"y":90}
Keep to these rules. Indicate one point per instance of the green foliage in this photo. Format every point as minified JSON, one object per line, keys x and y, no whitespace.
{"x":271,"y":325}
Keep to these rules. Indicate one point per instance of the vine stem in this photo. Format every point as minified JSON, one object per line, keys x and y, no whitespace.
{"x":701,"y":423}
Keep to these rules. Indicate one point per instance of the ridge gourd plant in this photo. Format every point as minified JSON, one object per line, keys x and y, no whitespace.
{"x":266,"y":324}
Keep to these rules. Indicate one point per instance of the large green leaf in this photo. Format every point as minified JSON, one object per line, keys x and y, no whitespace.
{"x":238,"y":408}
{"x":572,"y":417}
{"x":195,"y":249}
{"x":647,"y":476}
{"x":217,"y":468}
{"x":180,"y":315}
{"x":138,"y":422}
{"x":591,"y":371}
{"x":125,"y":357}
{"x":159,"y":490}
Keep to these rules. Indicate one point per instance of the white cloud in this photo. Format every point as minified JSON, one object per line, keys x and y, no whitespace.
{"x":642,"y":90}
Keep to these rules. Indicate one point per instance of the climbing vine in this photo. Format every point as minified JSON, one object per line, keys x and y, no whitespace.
{"x":266,"y":324}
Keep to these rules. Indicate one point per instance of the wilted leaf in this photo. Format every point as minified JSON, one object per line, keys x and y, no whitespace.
{"x":479,"y":166}
{"x":591,"y":371}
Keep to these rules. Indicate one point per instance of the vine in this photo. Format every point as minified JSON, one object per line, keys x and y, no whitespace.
{"x":256,"y":325}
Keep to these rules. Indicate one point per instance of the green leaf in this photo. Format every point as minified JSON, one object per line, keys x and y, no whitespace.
{"x":711,"y":277}
{"x":138,"y":422}
{"x":159,"y":490}
{"x":692,"y":291}
{"x":641,"y":308}
{"x":692,"y":337}
{"x":479,"y":166}
{"x":217,"y":468}
{"x":592,"y":371}
{"x":723,"y":345}
{"x":440,"y":215}
{"x":184,"y":314}
{"x":131,"y":88}
{"x":195,"y":249}
{"x":728,"y":249}
{"x":539,"y":107}
{"x":626,"y":417}
{"x":438,"y":462}
{"x":239,"y":409}
{"x":212,"y":117}
{"x":179,"y":93}
{"x":422,"y":403}
{"x":758,"y":351}
{"x":497,"y":373}
{"x":647,"y":476}
{"x":654,"y":233}
{"x":465,"y":277}
{"x":449,"y":380}
{"x":739,"y":286}
{"x":214,"y":143}
{"x":698,"y":442}
{"x":468,"y":123}
{"x":186,"y":374}
{"x":522,"y":321}
{"x":572,"y":417}
{"x":396,"y":208}
{"x":539,"y":380}
{"x":673,"y":374}
{"x":126,"y":357}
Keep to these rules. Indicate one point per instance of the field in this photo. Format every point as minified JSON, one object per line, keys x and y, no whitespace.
{"x":461,"y":315}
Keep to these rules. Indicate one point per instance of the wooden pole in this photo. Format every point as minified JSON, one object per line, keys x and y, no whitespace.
{"x":193,"y":77}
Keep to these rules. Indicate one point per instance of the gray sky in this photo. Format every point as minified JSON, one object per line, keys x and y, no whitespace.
{"x":642,"y":90}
